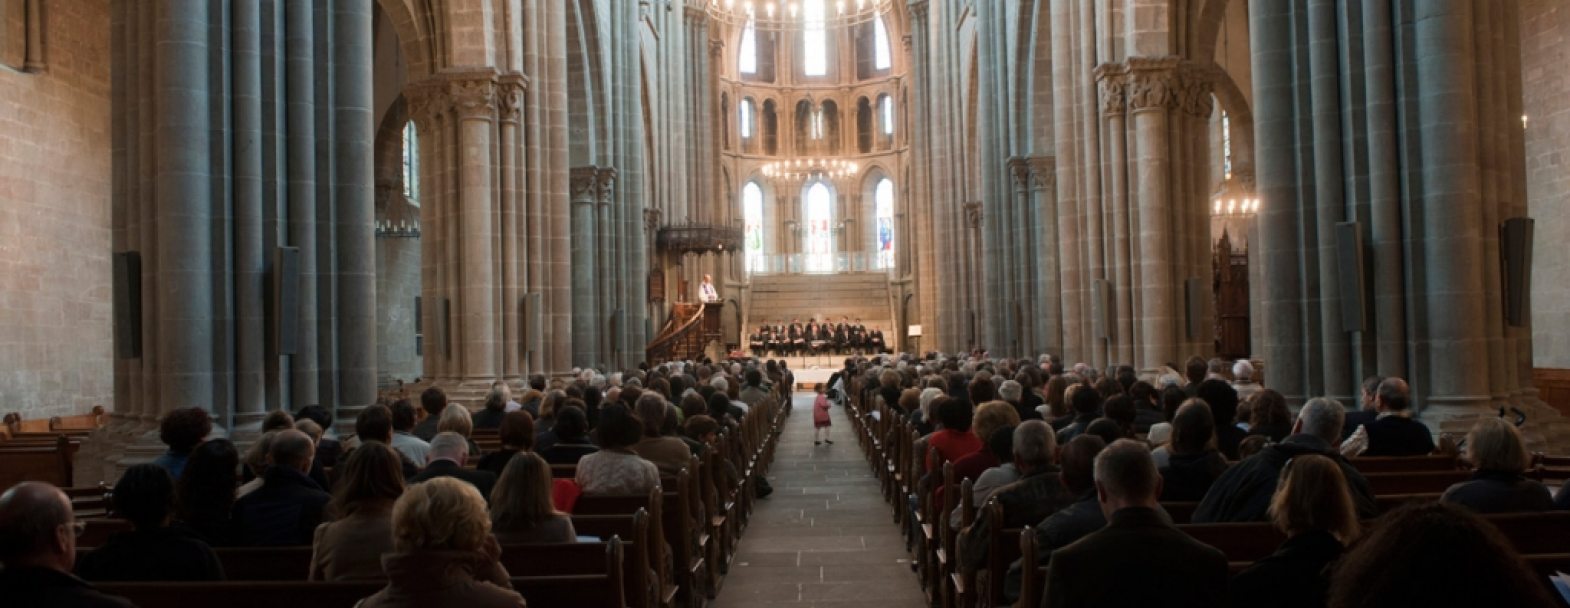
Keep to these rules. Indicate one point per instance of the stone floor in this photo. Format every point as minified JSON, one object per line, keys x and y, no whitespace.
{"x":825,"y":538}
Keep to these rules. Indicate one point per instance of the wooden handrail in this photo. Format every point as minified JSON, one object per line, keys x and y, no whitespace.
{"x":661,"y":348}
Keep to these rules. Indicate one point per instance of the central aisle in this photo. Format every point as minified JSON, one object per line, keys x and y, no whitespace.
{"x":825,"y":537}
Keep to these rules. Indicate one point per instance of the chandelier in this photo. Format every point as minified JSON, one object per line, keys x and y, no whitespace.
{"x":786,"y":15}
{"x":807,"y":168}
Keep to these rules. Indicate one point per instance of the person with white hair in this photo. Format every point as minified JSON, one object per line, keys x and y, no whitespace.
{"x":1038,"y":493}
{"x":1244,"y":491}
{"x":1243,"y":379}
{"x":449,"y":451}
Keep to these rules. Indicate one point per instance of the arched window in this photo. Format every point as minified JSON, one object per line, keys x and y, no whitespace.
{"x":883,"y":207}
{"x":886,"y":114}
{"x":817,"y":123}
{"x":411,"y":164}
{"x":748,"y":62}
{"x":814,"y":39}
{"x":1226,"y":145}
{"x":746,"y":119}
{"x":881,"y":57}
{"x":752,"y":221}
{"x":819,"y":245}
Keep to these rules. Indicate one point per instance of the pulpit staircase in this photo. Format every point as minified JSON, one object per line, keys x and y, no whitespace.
{"x":688,"y":331}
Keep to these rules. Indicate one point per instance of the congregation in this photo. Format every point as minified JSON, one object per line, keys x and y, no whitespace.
{"x":428,"y":499}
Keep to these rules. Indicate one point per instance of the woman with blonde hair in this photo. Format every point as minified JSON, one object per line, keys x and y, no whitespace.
{"x":1499,"y":485}
{"x":443,"y":551}
{"x":456,"y":418}
{"x":350,"y":546}
{"x":521,"y":509}
{"x":1313,"y":507}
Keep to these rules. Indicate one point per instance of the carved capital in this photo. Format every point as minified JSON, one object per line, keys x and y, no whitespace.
{"x":473,"y":99}
{"x":918,"y":10}
{"x":606,"y":184}
{"x":425,"y":103}
{"x":584,"y":182}
{"x":1194,"y":93}
{"x":651,"y":219}
{"x":1043,"y":173}
{"x":1149,"y":90}
{"x":509,"y":100}
{"x":973,"y":213}
{"x":1019,"y":167}
{"x":1112,"y":92}
{"x":716,"y":48}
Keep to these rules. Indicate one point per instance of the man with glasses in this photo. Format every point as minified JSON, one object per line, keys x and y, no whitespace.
{"x":38,"y":547}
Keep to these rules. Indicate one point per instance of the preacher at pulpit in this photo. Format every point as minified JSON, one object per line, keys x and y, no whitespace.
{"x":706,"y":291}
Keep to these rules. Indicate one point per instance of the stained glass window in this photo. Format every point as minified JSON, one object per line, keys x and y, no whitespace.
{"x":411,"y":164}
{"x":881,"y":59}
{"x":819,"y":245}
{"x":814,"y":39}
{"x":886,"y":111}
{"x":883,"y":199}
{"x":752,"y":219}
{"x":748,"y":62}
{"x":746,"y":118}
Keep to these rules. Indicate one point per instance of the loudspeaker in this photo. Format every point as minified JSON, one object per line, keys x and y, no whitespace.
{"x":128,"y":305}
{"x":286,"y":299}
{"x":1349,"y":275}
{"x":1194,"y":291}
{"x":1515,"y":254}
{"x":1101,"y":309}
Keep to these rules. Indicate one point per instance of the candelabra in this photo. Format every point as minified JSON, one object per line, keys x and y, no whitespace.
{"x":400,"y":230}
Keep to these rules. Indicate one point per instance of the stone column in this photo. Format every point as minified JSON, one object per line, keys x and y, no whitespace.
{"x":585,"y":308}
{"x":1022,"y":338}
{"x":1270,"y":25}
{"x":355,"y":205}
{"x":184,"y":216}
{"x":1048,"y":282}
{"x":300,"y":84}
{"x":1328,"y":187}
{"x":1384,"y":176}
{"x":605,"y":194}
{"x":474,"y":103}
{"x":513,"y":230}
{"x":249,"y":266}
{"x":1150,"y":91}
{"x":1114,"y":106}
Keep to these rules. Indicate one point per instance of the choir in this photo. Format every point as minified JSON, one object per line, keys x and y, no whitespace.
{"x":816,"y":338}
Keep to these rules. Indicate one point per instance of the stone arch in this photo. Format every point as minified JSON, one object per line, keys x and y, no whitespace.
{"x":585,"y":85}
{"x":414,"y":25}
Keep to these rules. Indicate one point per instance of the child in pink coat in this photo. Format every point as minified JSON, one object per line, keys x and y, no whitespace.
{"x":820,"y":416}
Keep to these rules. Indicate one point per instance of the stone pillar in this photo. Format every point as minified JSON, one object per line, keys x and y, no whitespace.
{"x":1048,"y":281}
{"x":585,"y":321}
{"x":300,"y":84}
{"x":184,"y":269}
{"x":513,"y":230}
{"x":354,"y":173}
{"x":250,"y":268}
{"x":1150,"y":90}
{"x":1275,"y":120}
{"x":605,"y":194}
{"x":1114,"y":106}
{"x":1023,"y":335}
{"x":1384,"y":175}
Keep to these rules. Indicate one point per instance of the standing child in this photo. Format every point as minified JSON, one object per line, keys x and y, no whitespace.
{"x":820,"y":416}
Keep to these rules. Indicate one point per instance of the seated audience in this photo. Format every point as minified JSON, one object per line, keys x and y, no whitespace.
{"x":1038,"y":493}
{"x":288,"y":506}
{"x":1364,"y":413}
{"x":954,"y":439}
{"x":449,"y":452}
{"x":1121,"y":409}
{"x":456,"y":419}
{"x":1251,"y":445}
{"x":38,"y":533}
{"x":1270,"y":416}
{"x":1223,"y":409}
{"x":1426,"y":555}
{"x":1086,"y":402}
{"x":990,"y":417}
{"x":667,"y":453}
{"x":1000,"y":449}
{"x":1194,"y":463}
{"x":375,"y":423}
{"x":1105,"y":428}
{"x":1056,"y":409}
{"x":1244,"y":491}
{"x":1393,"y":431}
{"x":546,"y":436}
{"x":181,"y":430}
{"x":1243,"y":379}
{"x":403,"y":439}
{"x":1313,"y":508}
{"x":433,"y":400}
{"x":205,"y":494}
{"x":328,"y":447}
{"x":1138,"y":558}
{"x":572,"y":437}
{"x":350,"y":547}
{"x":443,"y":552}
{"x":256,"y":460}
{"x":1147,"y":406}
{"x":318,"y":473}
{"x":1160,"y":440}
{"x":490,"y":416}
{"x":615,"y":468}
{"x":521,"y":507}
{"x":516,"y":434}
{"x":1499,"y":485}
{"x":277,"y":420}
{"x":151,"y":551}
{"x":1073,"y":522}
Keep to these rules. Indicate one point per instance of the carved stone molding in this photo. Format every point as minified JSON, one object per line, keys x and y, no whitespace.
{"x":473,"y":99}
{"x":1112,"y":93}
{"x":716,"y":48}
{"x":651,"y":219}
{"x":1150,"y":90}
{"x":1194,"y":93}
{"x":583,"y":183}
{"x":425,"y":104}
{"x":606,"y":183}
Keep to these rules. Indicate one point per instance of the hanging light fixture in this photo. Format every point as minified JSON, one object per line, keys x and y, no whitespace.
{"x":789,"y":15}
{"x":808,"y":168}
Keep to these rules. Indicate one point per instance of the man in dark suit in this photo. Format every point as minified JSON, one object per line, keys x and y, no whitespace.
{"x":38,"y":547}
{"x":1139,"y":558}
{"x":288,"y":506}
{"x":1365,"y":413}
{"x":448,"y":452}
{"x":1393,"y":431}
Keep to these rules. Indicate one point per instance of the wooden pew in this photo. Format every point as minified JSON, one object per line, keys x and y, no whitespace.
{"x":653,"y":503}
{"x":47,"y":463}
{"x":1416,"y":482}
{"x":577,"y":590}
{"x":1405,"y":464}
{"x":639,"y":589}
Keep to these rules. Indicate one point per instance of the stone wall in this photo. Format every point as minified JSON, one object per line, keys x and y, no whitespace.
{"x":1545,"y":48}
{"x":55,"y":285}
